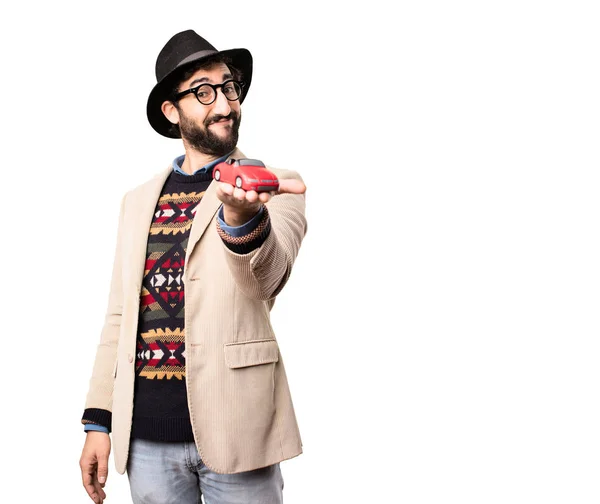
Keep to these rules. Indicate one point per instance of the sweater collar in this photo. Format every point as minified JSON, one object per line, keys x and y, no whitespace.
{"x":178,"y":162}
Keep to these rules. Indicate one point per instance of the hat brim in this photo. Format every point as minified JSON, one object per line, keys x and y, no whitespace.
{"x":241,"y":59}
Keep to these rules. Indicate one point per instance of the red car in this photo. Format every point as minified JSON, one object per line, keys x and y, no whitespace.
{"x":247,"y":174}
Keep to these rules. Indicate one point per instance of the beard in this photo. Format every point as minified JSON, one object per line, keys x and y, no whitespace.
{"x":204,"y":140}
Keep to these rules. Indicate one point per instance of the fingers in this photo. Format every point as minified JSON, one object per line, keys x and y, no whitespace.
{"x":264,"y":197}
{"x":239,"y":194}
{"x":290,"y":186}
{"x":225,"y":188}
{"x":237,"y":197}
{"x":90,"y":481}
{"x":98,"y":487}
{"x":251,"y":196}
{"x":229,"y":194}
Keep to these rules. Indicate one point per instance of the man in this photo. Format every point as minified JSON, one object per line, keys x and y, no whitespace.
{"x":188,"y":375}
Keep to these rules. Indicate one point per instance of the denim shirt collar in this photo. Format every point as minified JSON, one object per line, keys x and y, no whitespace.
{"x":178,"y":161}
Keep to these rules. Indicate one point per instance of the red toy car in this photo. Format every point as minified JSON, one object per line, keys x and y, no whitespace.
{"x":247,"y":174}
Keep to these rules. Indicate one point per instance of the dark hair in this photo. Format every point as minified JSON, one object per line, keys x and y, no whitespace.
{"x":188,"y":71}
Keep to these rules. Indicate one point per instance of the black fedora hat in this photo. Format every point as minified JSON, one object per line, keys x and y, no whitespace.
{"x":181,"y":52}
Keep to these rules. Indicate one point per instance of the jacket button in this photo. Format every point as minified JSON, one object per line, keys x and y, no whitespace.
{"x":130,"y":357}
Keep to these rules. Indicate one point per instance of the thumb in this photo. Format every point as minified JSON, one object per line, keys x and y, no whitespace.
{"x":102,"y":469}
{"x":293,"y":186}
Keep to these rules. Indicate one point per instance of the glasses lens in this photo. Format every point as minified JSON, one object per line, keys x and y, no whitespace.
{"x":205,"y":94}
{"x":232,"y":90}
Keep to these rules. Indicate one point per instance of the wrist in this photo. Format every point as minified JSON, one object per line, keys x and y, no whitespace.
{"x":236,"y":217}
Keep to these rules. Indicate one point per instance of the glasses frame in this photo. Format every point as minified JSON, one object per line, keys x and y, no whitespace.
{"x":215,"y":88}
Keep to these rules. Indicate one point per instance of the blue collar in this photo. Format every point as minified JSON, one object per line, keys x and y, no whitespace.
{"x":178,"y":161}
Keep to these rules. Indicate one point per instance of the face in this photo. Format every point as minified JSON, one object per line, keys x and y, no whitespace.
{"x":210,"y":129}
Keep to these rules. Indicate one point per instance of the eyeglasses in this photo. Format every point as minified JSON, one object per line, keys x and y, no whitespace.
{"x":207,"y":93}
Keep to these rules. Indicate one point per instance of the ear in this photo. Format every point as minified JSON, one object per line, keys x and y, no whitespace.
{"x":170,"y":112}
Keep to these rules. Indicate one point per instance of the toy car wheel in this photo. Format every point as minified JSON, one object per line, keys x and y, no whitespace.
{"x":217,"y":175}
{"x":238,"y":181}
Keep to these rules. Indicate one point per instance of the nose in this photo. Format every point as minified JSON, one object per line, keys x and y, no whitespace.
{"x":221,"y":104}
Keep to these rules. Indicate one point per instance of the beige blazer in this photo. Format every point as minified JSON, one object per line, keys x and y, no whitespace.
{"x":240,"y":405}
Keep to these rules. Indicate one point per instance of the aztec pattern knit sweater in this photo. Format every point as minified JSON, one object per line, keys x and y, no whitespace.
{"x":160,"y":395}
{"x":160,"y":408}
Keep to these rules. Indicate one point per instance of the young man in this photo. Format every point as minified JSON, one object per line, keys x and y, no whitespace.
{"x":188,"y":375}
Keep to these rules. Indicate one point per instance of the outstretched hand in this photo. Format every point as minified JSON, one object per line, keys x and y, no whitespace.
{"x":240,"y":206}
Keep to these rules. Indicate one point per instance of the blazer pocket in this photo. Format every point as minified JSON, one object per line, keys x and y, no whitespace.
{"x":251,"y":353}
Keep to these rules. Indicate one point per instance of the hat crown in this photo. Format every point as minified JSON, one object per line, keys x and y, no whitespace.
{"x":179,"y":47}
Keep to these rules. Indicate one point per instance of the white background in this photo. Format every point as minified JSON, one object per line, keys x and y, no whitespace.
{"x":440,"y":328}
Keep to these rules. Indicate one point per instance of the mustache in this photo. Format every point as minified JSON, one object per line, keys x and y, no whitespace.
{"x":217,"y":118}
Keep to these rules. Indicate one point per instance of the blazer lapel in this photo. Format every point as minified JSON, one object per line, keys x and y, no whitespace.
{"x":143,"y":212}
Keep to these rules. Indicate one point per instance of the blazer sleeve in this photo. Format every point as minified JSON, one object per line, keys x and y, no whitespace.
{"x":263,"y":272}
{"x":98,"y":404}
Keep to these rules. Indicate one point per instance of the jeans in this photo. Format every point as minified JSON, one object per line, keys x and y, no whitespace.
{"x":172,"y":472}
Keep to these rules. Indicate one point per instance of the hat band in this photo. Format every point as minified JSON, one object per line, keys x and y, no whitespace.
{"x":195,"y":56}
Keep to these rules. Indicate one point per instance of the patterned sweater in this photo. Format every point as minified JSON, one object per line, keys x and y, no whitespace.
{"x":160,"y":395}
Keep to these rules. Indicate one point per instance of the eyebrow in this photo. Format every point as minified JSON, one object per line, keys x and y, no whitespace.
{"x":206,"y":79}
